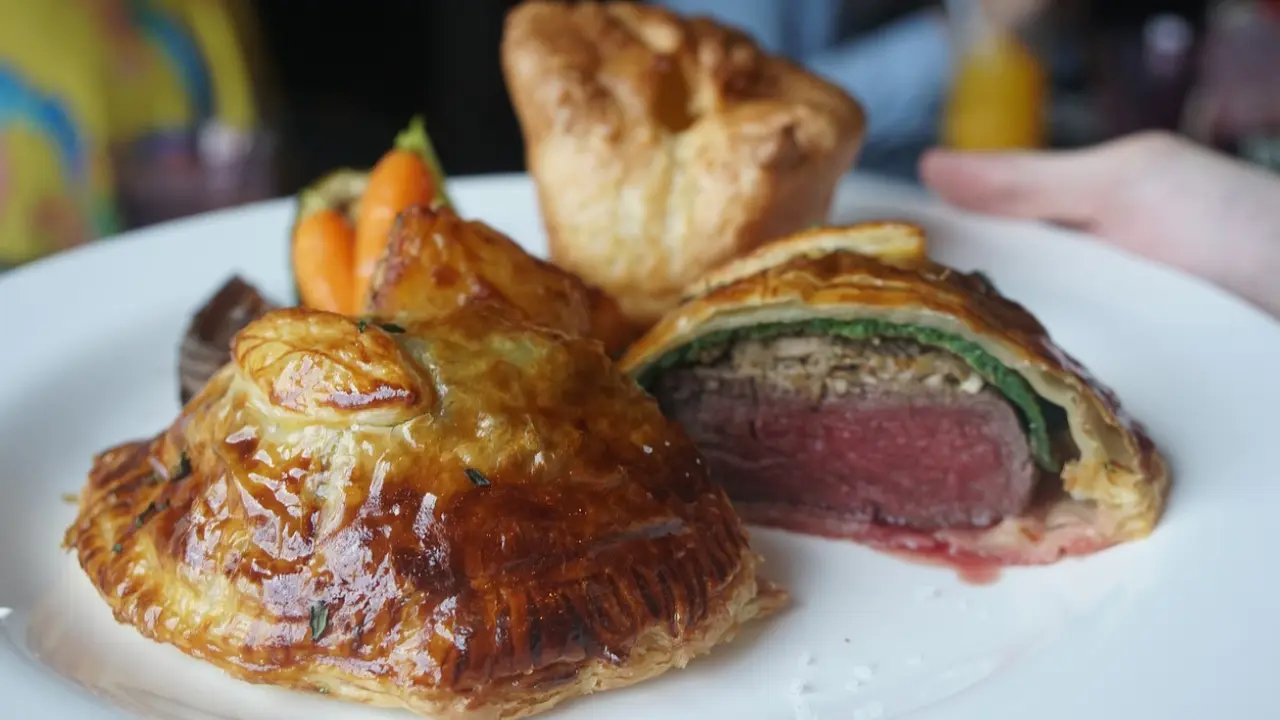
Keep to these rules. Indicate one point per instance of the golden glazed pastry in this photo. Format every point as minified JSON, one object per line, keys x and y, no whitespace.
{"x":841,"y":383}
{"x":436,"y":262}
{"x":469,"y":516}
{"x":663,"y":146}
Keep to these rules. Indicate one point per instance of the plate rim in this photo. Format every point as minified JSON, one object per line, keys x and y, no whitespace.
{"x":915,"y":203}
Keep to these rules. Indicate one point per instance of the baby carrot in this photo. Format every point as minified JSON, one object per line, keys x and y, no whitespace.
{"x":323,"y":250}
{"x":406,"y":175}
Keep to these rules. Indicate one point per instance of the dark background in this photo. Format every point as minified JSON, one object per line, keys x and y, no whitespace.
{"x":344,"y":77}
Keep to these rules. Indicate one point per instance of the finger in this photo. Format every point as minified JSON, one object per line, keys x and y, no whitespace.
{"x":1063,"y":187}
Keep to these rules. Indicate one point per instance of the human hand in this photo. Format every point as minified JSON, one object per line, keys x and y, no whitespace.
{"x":1154,"y":194}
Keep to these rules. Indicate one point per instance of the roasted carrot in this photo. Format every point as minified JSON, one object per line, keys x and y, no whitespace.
{"x":323,"y":256}
{"x":406,"y":175}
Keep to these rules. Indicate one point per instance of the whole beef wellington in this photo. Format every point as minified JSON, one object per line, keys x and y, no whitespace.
{"x":840,"y":383}
{"x":466,"y":515}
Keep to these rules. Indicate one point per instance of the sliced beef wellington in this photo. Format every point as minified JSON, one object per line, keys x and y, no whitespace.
{"x":841,"y":383}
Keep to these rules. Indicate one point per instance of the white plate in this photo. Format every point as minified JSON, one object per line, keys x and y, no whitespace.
{"x":1183,"y":625}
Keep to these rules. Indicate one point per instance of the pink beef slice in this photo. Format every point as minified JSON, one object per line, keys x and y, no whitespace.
{"x":888,"y":433}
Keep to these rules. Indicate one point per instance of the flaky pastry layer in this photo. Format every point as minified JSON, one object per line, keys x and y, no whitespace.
{"x":1114,"y":488}
{"x":470,"y":516}
{"x":662,"y":146}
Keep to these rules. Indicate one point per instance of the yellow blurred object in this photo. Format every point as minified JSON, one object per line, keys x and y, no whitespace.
{"x":84,"y":83}
{"x":220,"y":31}
{"x":998,"y":97}
{"x":56,"y":187}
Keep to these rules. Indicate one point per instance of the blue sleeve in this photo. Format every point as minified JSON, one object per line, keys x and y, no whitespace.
{"x":761,"y":19}
{"x":901,"y":74}
{"x":793,"y":28}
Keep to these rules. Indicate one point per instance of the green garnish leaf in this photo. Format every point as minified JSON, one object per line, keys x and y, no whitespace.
{"x":319,"y":620}
{"x":183,"y":469}
{"x":323,"y":690}
{"x":364,"y":323}
{"x":477,"y":478}
{"x":117,"y":548}
{"x":414,"y":138}
{"x":149,"y":512}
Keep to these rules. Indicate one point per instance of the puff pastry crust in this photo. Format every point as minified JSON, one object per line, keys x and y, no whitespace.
{"x":662,"y":146}
{"x":436,"y":262}
{"x":1114,"y":488}
{"x":469,"y":516}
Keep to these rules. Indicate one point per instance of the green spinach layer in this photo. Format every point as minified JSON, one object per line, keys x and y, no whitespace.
{"x":1010,"y":384}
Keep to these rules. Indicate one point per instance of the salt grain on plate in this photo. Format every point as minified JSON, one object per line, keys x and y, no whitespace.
{"x":863,"y":673}
{"x":806,"y":659}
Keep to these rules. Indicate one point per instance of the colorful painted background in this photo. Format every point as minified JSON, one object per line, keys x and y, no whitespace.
{"x":146,"y":80}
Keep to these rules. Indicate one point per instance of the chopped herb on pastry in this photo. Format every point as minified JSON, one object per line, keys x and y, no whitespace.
{"x":663,"y":146}
{"x":469,"y":516}
{"x":841,"y":383}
